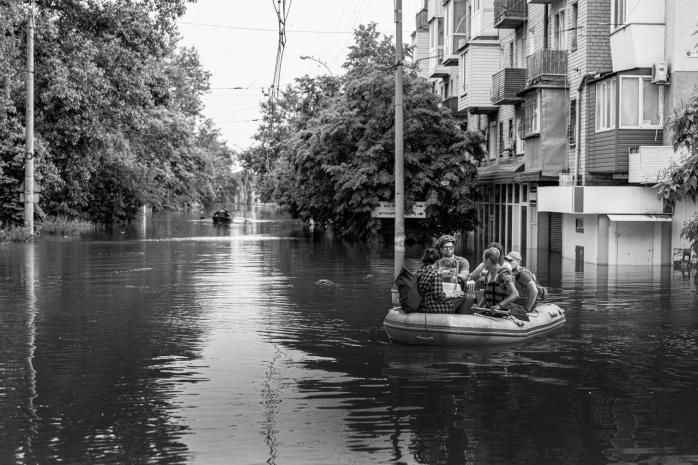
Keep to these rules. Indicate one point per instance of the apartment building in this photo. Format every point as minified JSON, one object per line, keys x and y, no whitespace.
{"x":627,"y":76}
{"x":572,"y":96}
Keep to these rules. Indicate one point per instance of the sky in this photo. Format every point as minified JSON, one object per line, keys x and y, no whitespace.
{"x":237,"y":43}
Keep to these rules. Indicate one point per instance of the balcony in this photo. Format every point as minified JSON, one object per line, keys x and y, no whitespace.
{"x":509,"y":14}
{"x":506,"y":84}
{"x":649,"y":164}
{"x":547,"y":66}
{"x":451,"y":104}
{"x":637,"y":46}
{"x":436,"y":67}
{"x":422,"y":20}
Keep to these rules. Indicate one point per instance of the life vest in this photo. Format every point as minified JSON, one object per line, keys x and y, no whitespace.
{"x":496,"y":291}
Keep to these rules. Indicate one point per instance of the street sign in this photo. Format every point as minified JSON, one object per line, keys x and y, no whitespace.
{"x":37,"y":187}
{"x":35,"y":200}
{"x":387,"y":210}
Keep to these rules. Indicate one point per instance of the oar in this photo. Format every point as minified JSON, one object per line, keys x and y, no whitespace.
{"x":496,"y":312}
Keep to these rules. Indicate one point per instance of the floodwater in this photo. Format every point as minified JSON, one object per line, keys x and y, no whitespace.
{"x":174,"y":341}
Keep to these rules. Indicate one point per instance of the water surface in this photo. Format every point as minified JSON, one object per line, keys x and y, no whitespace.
{"x":174,"y":341}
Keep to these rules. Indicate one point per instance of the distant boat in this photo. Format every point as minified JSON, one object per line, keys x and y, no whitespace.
{"x":222,"y":216}
{"x":444,"y":329}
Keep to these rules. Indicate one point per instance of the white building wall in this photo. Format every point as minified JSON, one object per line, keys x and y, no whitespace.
{"x":571,"y":239}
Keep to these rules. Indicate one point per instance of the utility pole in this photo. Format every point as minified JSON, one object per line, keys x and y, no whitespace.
{"x":29,"y":128}
{"x":399,"y":150}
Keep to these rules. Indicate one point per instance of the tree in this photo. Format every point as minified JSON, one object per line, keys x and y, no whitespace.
{"x":681,"y":180}
{"x":118,"y":110}
{"x":335,"y":162}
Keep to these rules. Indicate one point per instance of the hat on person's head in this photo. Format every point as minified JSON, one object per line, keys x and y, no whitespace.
{"x":513,"y":255}
{"x":443,"y":239}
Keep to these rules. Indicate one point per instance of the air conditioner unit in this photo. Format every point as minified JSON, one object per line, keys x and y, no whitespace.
{"x":660,"y":73}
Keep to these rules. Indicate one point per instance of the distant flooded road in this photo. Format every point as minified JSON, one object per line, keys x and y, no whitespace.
{"x":174,"y":341}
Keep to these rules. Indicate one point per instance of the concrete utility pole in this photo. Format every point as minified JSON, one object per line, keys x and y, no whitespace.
{"x":399,"y":149}
{"x":29,"y":129}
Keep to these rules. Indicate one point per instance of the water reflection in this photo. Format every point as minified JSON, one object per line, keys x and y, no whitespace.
{"x":174,"y":341}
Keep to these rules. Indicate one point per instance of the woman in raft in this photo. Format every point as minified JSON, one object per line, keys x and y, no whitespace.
{"x":431,"y":291}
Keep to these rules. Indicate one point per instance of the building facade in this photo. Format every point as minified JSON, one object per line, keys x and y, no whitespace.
{"x":572,"y":96}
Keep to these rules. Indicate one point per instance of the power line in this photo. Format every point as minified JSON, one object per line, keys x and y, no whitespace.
{"x":263,"y":29}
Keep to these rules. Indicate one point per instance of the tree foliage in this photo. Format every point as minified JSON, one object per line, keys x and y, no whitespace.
{"x":117,"y":110}
{"x":327,"y":151}
{"x":681,"y":180}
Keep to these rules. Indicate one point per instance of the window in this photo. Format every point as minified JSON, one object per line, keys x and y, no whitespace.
{"x":579,"y":225}
{"x":501,"y":139}
{"x":641,"y":103}
{"x":618,"y":13}
{"x":492,"y":139}
{"x":530,"y":111}
{"x":531,"y":45}
{"x":574,"y":24}
{"x":464,"y":73}
{"x":511,"y":141}
{"x":572,"y":123}
{"x":606,"y":105}
{"x":560,"y":38}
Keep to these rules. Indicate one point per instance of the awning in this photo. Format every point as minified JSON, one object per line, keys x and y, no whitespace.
{"x":499,"y":172}
{"x":654,"y":218}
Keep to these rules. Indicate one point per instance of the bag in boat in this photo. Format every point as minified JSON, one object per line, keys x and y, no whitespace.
{"x":447,"y":268}
{"x":406,"y":283}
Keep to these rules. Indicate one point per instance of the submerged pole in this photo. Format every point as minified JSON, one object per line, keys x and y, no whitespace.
{"x":29,"y":128}
{"x":399,"y":151}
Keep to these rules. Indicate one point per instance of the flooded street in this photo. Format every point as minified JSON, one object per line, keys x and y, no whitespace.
{"x":174,"y":341}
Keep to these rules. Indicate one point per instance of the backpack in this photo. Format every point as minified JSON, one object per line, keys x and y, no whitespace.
{"x":406,"y":283}
{"x":542,"y":291}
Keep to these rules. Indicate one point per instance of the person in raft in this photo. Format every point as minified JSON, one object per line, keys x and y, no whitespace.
{"x":479,"y":273}
{"x":431,"y":291}
{"x":524,"y":281}
{"x":446,"y":245}
{"x":500,"y":292}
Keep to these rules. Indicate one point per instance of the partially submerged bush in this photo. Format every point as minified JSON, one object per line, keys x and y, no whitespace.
{"x":15,"y":234}
{"x":63,"y":226}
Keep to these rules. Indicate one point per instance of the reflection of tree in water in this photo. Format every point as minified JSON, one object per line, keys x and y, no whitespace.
{"x":108,"y":357}
{"x":271,"y":402}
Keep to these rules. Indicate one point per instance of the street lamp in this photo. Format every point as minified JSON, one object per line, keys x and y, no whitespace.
{"x":307,"y":57}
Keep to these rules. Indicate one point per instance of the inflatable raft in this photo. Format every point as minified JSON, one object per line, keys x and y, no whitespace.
{"x":441,"y":329}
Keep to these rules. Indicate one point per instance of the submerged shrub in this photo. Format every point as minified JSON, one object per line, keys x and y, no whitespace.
{"x":63,"y":226}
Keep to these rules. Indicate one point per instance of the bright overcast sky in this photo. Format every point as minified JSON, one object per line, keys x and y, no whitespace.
{"x":237,"y":43}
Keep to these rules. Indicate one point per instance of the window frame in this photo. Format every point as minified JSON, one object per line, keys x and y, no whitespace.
{"x":464,"y":81}
{"x":560,"y":30}
{"x":610,"y":112}
{"x":640,"y":102}
{"x":616,"y":7}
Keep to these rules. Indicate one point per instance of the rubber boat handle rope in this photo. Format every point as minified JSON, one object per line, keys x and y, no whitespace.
{"x":426,"y":325}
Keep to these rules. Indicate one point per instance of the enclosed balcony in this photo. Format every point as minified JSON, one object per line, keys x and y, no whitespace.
{"x":436,"y":67}
{"x":547,"y":66}
{"x":649,"y":164}
{"x":509,"y":14}
{"x":451,"y":104}
{"x":422,"y":20}
{"x":506,"y":84}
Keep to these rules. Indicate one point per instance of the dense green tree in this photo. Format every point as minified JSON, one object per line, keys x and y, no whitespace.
{"x":681,"y":181}
{"x":118,"y":110}
{"x":334,"y":156}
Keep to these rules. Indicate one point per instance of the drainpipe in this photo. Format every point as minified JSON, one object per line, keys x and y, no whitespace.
{"x":578,"y":146}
